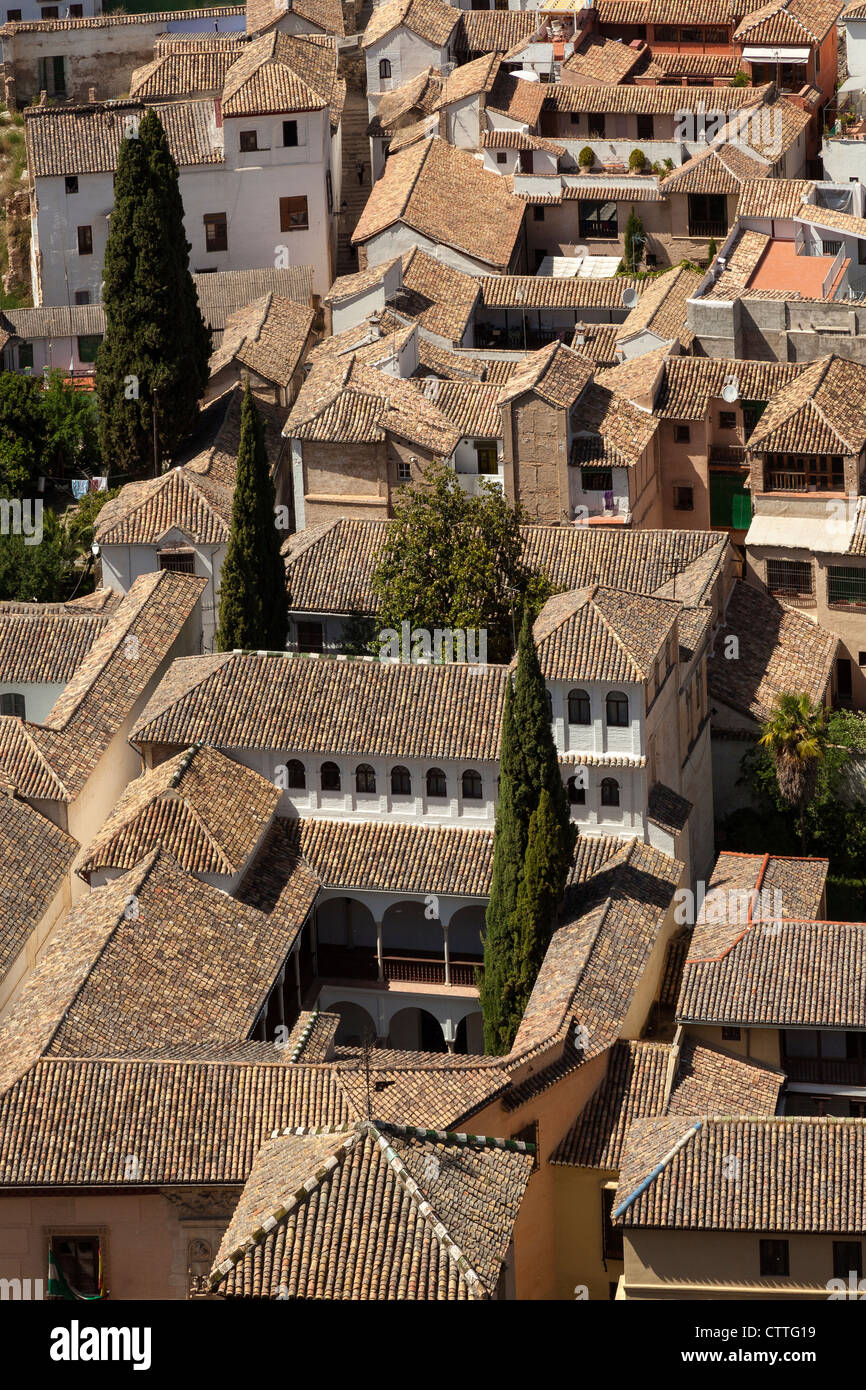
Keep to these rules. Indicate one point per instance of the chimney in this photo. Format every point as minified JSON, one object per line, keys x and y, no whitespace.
{"x":43,"y":98}
{"x":91,"y":95}
{"x":218,"y":111}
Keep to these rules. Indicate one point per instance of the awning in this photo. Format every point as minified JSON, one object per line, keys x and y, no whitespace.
{"x":766,"y":54}
{"x":827,"y":534}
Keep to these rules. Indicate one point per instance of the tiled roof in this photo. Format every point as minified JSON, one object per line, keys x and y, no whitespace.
{"x":779,"y":198}
{"x":419,"y":96}
{"x":406,"y":135}
{"x":54,"y":321}
{"x":780,"y":650}
{"x":443,"y":1090}
{"x":801,"y":22}
{"x":596,"y":959}
{"x":666,"y":808}
{"x":440,"y":297}
{"x":45,"y":642}
{"x":35,"y":856}
{"x":602,"y":60}
{"x":803,"y":1175}
{"x":800,"y":881}
{"x":470,"y":79}
{"x":284,"y":72}
{"x":347,"y":286}
{"x":312,"y":1037}
{"x":722,"y":168}
{"x":346,"y":401}
{"x":384,"y":856}
{"x":635,"y":1086}
{"x":674,"y":11}
{"x":771,"y":130}
{"x":328,"y":704}
{"x":691,"y":382}
{"x":602,"y":634}
{"x":494,"y":31}
{"x":86,"y":139}
{"x":822,"y":411}
{"x":155,"y":953}
{"x":279,"y":882}
{"x":660,"y":101}
{"x":555,"y":373}
{"x":687,"y":64}
{"x":497,"y":139}
{"x":384,"y":1212}
{"x":221,"y":294}
{"x":54,"y":759}
{"x":217,"y":460}
{"x":188,"y":70}
{"x":556,"y":292}
{"x":443,"y":193}
{"x":267,"y":336}
{"x":183,"y":499}
{"x":149,"y":1109}
{"x":472,"y":406}
{"x":662,"y":306}
{"x":516,"y":98}
{"x":330,"y":566}
{"x":109,"y":20}
{"x":829,"y":217}
{"x":611,"y":417}
{"x":599,"y":343}
{"x":207,"y":811}
{"x":327,"y":15}
{"x":432,"y":20}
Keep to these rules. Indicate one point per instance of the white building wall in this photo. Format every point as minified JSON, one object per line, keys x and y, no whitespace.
{"x":123,"y":564}
{"x":38,"y":696}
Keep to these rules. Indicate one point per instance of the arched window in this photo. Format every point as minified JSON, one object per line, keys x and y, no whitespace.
{"x":330,"y":777}
{"x":401,"y":781}
{"x":296,"y":776}
{"x":436,"y":784}
{"x":609,"y":792}
{"x":472,"y":788}
{"x":365,"y":779}
{"x":617,"y":710}
{"x":578,"y":707}
{"x":576,"y":794}
{"x":548,"y":700}
{"x":384,"y":67}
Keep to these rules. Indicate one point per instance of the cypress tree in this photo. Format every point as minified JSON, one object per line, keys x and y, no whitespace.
{"x":497,"y":986}
{"x":156,"y":344}
{"x":253,"y":600}
{"x":538,"y":761}
{"x":537,"y":896}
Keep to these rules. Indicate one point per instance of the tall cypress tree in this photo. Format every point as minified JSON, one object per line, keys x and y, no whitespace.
{"x":537,"y":896}
{"x":253,"y":599}
{"x":539,"y":764}
{"x":497,"y":986}
{"x":154,"y":356}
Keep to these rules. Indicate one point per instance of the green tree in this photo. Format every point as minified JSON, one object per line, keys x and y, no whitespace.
{"x":253,"y":599}
{"x":44,"y":572}
{"x":634,"y":243}
{"x":71,"y":426}
{"x":537,"y":758}
{"x":796,"y":736}
{"x":22,"y":432}
{"x":498,"y":984}
{"x":151,"y":366}
{"x":454,"y":561}
{"x":538,"y":895}
{"x":712,"y":251}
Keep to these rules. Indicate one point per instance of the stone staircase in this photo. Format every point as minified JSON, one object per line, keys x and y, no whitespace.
{"x":356,"y":150}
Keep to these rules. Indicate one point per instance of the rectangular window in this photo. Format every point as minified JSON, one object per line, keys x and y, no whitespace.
{"x":329,"y":190}
{"x":311,"y":637}
{"x":12,"y":704}
{"x":730,"y":1035}
{"x":76,"y":11}
{"x":708,"y":214}
{"x":684,"y":499}
{"x":843,"y":678}
{"x":82,"y":296}
{"x":682,"y":434}
{"x":537,"y":213}
{"x":290,"y":134}
{"x":487,"y":458}
{"x":13,"y":16}
{"x":85,"y":241}
{"x":645,"y":128}
{"x":77,"y":1260}
{"x":612,"y":1235}
{"x":727,"y":419}
{"x":25,"y":355}
{"x":404,"y":471}
{"x":50,"y":12}
{"x":88,"y":346}
{"x":249,"y":141}
{"x":774,"y":1258}
{"x":596,"y":479}
{"x":596,"y":125}
{"x":847,"y":1256}
{"x":293,"y":214}
{"x":846,"y":586}
{"x":529,"y":1135}
{"x":598,"y":220}
{"x":730,"y":501}
{"x":72,"y":183}
{"x":501,"y":157}
{"x":216,"y":231}
{"x":790,"y":578}
{"x":178,"y":561}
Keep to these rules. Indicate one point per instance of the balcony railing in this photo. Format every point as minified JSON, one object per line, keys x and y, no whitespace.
{"x":341,"y":962}
{"x":826,"y":1071}
{"x":783,"y":481}
{"x":727,"y":453}
{"x":714,"y":228}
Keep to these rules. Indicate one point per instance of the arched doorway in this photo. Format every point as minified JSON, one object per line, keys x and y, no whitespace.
{"x":416,"y":1030}
{"x":346,"y":940}
{"x":355,"y":1024}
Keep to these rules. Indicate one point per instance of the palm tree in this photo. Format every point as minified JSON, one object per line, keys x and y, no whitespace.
{"x":796,"y":735}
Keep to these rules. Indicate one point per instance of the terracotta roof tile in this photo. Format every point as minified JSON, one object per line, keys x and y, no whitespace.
{"x":602,"y":634}
{"x":602,"y":60}
{"x":86,"y":139}
{"x":778,"y":198}
{"x":427,"y":19}
{"x":42,"y":642}
{"x":267,"y":336}
{"x":327,"y":15}
{"x":35,"y":857}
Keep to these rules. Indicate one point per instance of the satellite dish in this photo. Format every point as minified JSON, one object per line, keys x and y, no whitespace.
{"x":730,"y":391}
{"x":630,"y":298}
